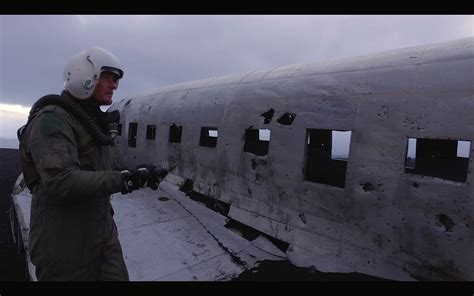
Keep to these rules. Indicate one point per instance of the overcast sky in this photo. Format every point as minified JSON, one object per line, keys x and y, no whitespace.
{"x":160,"y":50}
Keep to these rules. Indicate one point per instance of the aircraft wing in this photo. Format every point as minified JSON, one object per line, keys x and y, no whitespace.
{"x":166,"y":236}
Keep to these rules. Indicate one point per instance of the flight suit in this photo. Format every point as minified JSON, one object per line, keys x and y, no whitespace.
{"x":72,"y":232}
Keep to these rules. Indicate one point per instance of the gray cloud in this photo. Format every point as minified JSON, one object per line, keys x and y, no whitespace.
{"x":161,"y":50}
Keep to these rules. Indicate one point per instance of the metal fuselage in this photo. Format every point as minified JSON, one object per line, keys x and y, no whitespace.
{"x":377,"y":211}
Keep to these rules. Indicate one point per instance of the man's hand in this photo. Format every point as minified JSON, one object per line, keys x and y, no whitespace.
{"x":143,"y":176}
{"x":155,"y":176}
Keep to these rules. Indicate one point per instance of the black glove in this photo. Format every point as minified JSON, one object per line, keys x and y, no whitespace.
{"x":143,"y":176}
{"x":155,"y":176}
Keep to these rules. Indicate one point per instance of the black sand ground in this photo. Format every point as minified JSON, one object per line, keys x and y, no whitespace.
{"x":13,"y":265}
{"x":284,"y":271}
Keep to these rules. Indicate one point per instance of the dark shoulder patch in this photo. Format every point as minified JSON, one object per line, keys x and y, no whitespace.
{"x":50,"y":123}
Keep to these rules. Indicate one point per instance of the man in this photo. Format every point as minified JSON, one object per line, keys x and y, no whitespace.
{"x":67,"y":164}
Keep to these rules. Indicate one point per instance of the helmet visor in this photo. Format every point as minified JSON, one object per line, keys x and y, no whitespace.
{"x":113,"y":70}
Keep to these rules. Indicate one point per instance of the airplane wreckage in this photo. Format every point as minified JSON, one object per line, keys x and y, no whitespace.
{"x":254,"y":174}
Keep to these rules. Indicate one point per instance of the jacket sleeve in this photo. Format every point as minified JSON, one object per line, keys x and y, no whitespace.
{"x":55,"y":153}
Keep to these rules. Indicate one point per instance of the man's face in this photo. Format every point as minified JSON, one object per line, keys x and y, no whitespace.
{"x":104,"y":90}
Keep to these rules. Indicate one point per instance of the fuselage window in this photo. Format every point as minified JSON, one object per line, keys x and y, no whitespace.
{"x":132,"y":134}
{"x":327,"y":153}
{"x":445,"y":159}
{"x":175,"y":133}
{"x":257,"y":141}
{"x":150,"y":132}
{"x":208,"y":137}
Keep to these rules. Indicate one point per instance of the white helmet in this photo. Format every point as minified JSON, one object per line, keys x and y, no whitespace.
{"x":83,"y":71}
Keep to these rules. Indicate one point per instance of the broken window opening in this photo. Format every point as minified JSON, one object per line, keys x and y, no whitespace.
{"x":119,"y":129}
{"x":287,"y":118}
{"x":268,"y":115}
{"x":444,"y":159}
{"x":208,"y":137}
{"x":257,"y":141}
{"x":175,"y":133}
{"x":327,"y":153}
{"x":132,"y":134}
{"x":150,"y":132}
